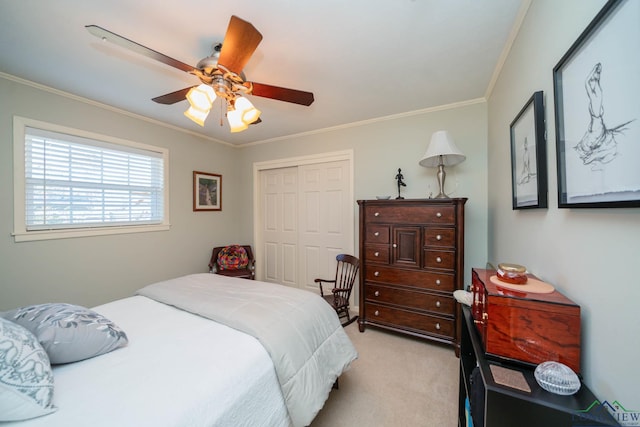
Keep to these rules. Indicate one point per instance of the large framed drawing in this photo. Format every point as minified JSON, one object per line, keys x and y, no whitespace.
{"x":596,"y":88}
{"x":207,"y":191}
{"x":529,"y":155}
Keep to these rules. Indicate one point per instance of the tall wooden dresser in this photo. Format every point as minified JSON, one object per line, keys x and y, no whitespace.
{"x":412,"y":259}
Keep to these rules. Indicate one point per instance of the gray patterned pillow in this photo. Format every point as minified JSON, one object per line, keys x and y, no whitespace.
{"x":69,"y":333}
{"x":26,"y":380}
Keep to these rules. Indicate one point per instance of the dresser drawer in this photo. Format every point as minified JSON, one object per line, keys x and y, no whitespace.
{"x":439,"y":214}
{"x":414,"y":278}
{"x":418,"y":300}
{"x":377,"y":234}
{"x":439,"y":259}
{"x":440,"y":237}
{"x":409,"y":320}
{"x":377,"y":253}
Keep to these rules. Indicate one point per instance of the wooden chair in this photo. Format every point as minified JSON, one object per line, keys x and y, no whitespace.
{"x":222,"y":255}
{"x":346,"y":272}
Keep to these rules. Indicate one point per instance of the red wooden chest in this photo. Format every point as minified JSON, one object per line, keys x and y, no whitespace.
{"x":525,"y":326}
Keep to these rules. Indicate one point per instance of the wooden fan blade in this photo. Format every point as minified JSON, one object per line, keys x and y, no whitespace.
{"x":173,"y":97}
{"x":283,"y":94}
{"x":239,"y":43}
{"x":136,"y":47}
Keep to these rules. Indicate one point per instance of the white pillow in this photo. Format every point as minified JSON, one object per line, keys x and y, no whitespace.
{"x":26,"y":379}
{"x":69,"y":333}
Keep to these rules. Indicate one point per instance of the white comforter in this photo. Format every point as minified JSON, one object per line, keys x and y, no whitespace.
{"x":179,"y":370}
{"x":299,"y":329}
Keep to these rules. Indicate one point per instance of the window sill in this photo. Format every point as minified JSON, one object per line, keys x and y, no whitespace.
{"x":30,"y":236}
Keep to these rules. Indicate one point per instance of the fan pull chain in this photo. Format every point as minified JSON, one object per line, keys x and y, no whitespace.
{"x":222,"y":113}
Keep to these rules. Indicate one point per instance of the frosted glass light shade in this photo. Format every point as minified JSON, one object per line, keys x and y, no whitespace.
{"x":197,"y":115}
{"x":235,"y":121}
{"x":248,"y":112}
{"x":201,"y":97}
{"x":442,"y":145}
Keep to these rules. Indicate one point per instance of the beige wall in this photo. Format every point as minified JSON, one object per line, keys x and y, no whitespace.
{"x":380,"y":148}
{"x":588,"y":254}
{"x":94,"y":270}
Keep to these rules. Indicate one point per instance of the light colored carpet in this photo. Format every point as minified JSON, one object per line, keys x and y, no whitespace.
{"x":396,"y":381}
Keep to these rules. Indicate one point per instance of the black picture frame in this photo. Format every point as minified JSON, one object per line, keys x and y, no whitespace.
{"x":529,"y":186}
{"x":207,"y":191}
{"x":596,"y":90}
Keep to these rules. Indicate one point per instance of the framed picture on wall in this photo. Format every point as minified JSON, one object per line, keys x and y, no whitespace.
{"x":529,"y":155}
{"x":597,"y":112}
{"x":207,"y":191}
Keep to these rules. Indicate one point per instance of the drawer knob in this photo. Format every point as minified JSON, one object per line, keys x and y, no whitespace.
{"x":438,"y":304}
{"x":439,"y":215}
{"x":395,"y":245}
{"x":376,"y":214}
{"x":438,"y":326}
{"x":376,"y":313}
{"x":438,"y":282}
{"x":376,"y":273}
{"x":376,"y":254}
{"x":376,"y":293}
{"x":377,"y":233}
{"x":438,"y":259}
{"x":439,"y":237}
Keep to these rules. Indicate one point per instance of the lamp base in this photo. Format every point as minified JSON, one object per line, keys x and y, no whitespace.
{"x":441,"y":177}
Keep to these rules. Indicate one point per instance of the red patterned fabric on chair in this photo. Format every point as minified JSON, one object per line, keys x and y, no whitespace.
{"x":233,"y":260}
{"x":233,"y":257}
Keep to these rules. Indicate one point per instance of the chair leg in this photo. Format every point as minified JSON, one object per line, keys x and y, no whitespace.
{"x":350,"y":321}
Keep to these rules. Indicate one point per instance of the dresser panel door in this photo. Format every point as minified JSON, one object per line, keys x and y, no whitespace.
{"x":406,"y":246}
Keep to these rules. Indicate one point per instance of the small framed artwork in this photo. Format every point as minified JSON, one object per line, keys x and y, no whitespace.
{"x":596,"y":88}
{"x":207,"y":191}
{"x":529,"y":155}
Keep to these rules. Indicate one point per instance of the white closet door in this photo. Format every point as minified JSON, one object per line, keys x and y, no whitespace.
{"x":325,"y":218}
{"x":307,"y":219}
{"x":280,"y":225}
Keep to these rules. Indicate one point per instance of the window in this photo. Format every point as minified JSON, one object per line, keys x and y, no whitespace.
{"x":70,"y":183}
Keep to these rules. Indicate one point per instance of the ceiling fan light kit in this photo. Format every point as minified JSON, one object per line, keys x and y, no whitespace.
{"x":220,"y":75}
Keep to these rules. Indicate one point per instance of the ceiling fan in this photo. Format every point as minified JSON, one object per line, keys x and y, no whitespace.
{"x":220,"y":74}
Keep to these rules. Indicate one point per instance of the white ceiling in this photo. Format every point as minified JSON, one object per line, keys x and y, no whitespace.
{"x":362,"y":59}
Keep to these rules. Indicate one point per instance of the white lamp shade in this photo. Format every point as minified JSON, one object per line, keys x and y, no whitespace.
{"x":442,"y":145}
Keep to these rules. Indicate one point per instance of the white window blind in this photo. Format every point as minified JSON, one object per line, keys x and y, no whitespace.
{"x":77,"y":182}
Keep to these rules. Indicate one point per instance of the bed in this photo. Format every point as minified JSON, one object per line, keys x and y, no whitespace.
{"x":207,"y":350}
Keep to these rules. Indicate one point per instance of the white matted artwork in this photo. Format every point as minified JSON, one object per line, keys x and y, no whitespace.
{"x":529,"y":155}
{"x":598,"y":110}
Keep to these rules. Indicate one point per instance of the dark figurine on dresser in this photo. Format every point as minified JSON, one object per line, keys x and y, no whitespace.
{"x":399,"y":178}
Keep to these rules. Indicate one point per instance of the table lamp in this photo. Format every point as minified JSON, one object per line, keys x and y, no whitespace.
{"x":441,"y":152}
